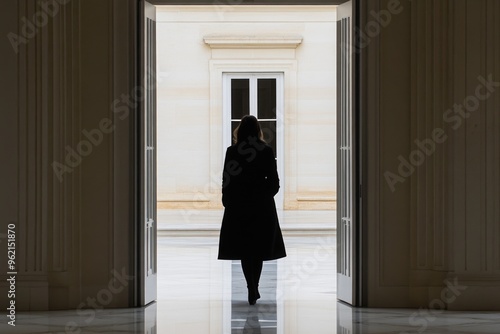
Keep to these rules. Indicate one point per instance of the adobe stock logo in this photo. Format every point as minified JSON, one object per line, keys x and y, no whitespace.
{"x":30,"y":27}
{"x":74,"y":156}
{"x":93,"y":305}
{"x":376,"y":23}
{"x":425,"y":316}
{"x":121,"y":108}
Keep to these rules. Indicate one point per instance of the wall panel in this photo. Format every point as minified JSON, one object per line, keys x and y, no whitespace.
{"x":74,"y":218}
{"x":429,"y":99}
{"x":448,"y":200}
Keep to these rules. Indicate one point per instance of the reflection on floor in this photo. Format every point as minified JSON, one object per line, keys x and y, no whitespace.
{"x":260,"y":318}
{"x":201,"y":295}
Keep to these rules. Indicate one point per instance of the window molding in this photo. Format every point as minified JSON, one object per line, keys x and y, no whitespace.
{"x":252,"y":42}
{"x":289,"y":69}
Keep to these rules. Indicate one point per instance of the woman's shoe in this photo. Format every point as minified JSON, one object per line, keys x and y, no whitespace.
{"x":253,"y":295}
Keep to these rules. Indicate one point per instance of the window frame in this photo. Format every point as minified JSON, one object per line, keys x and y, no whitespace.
{"x":280,"y":126}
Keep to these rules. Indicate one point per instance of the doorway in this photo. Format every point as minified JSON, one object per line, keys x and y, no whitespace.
{"x":241,"y":81}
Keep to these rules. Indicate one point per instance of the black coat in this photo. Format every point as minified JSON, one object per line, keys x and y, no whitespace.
{"x":250,"y":226}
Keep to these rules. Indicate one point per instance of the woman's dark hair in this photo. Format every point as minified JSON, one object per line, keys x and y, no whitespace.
{"x":249,"y":127}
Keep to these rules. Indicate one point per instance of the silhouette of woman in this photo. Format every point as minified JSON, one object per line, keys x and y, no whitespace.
{"x":250,"y":230}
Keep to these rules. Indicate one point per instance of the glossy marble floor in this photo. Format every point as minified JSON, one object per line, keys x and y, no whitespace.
{"x":198,"y":294}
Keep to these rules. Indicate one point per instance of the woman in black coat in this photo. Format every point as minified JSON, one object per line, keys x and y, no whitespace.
{"x":250,"y":229}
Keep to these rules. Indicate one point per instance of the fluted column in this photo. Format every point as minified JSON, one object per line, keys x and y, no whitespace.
{"x":428,"y":160}
{"x":475,"y":155}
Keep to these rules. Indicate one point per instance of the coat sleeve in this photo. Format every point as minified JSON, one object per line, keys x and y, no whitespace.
{"x":272,"y":179}
{"x":225,"y":180}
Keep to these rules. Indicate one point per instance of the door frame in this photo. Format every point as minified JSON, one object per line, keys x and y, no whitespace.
{"x":348,"y":177}
{"x":146,"y":280}
{"x":359,"y":120}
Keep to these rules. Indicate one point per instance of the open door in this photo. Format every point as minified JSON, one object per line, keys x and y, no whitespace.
{"x":347,"y":183}
{"x":148,"y":228}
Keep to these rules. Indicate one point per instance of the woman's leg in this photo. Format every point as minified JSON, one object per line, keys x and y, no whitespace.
{"x":246,"y":265}
{"x":252,"y":269}
{"x":257,"y":271}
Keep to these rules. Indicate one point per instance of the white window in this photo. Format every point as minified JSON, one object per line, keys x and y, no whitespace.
{"x":260,"y":95}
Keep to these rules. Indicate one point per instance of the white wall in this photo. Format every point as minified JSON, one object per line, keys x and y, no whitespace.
{"x":190,"y":145}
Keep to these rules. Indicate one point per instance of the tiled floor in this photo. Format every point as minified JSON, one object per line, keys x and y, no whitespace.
{"x":199,"y":294}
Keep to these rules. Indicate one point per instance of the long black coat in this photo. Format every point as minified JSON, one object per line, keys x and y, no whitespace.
{"x":250,"y":226}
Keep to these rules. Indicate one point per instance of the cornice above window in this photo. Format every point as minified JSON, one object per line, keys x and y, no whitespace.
{"x":252,"y":42}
